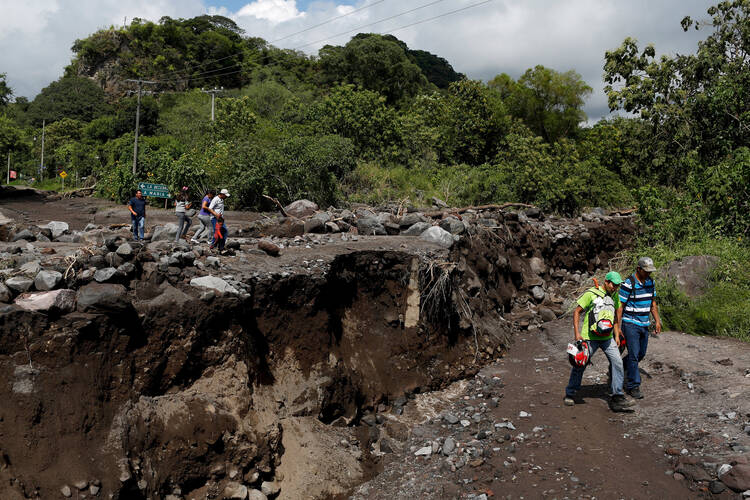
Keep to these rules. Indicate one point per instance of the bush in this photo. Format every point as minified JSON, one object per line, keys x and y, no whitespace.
{"x":554,"y":178}
{"x":668,"y":216}
{"x":293,"y":168}
{"x":724,"y":309}
{"x":724,"y":190}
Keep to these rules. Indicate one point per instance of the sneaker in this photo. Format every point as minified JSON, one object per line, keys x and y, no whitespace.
{"x":620,"y":404}
{"x":193,"y":240}
{"x":568,"y":401}
{"x":635,"y":393}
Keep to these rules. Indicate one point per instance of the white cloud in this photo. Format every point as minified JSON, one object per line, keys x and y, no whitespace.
{"x":500,"y":36}
{"x":36,"y":36}
{"x":275,"y":11}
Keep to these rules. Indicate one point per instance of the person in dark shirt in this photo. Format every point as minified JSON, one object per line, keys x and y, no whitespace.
{"x":137,"y":207}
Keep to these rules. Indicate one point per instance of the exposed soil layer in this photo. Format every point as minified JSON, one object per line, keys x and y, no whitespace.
{"x":151,"y":386}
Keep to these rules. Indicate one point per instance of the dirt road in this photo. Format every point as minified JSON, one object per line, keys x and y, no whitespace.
{"x":529,"y":445}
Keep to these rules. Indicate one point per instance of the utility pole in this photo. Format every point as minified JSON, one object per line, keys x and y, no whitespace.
{"x":137,"y":118}
{"x":8,"y":180}
{"x":41,"y":162}
{"x":213,"y":93}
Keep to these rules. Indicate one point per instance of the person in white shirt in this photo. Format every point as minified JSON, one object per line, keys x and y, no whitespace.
{"x":216,"y":209}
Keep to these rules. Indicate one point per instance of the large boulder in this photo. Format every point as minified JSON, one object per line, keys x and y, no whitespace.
{"x":47,"y":280}
{"x":256,"y":495}
{"x":59,"y":301}
{"x":31,"y":268}
{"x":125,"y":251}
{"x":452,"y":225}
{"x":690,"y":274}
{"x":315,"y":225}
{"x":301,"y":208}
{"x":19,"y":284}
{"x":370,"y":226}
{"x":417,"y":229}
{"x":58,"y":228}
{"x":322,"y":216}
{"x":537,"y":265}
{"x":106,"y":274}
{"x":103,"y":298}
{"x":409,"y":220}
{"x":5,"y":293}
{"x":213,"y":283}
{"x":234,"y":490}
{"x":269,"y":247}
{"x":438,"y":235}
{"x":166,"y":232}
{"x":24,"y":234}
{"x":738,"y":477}
{"x":169,"y":298}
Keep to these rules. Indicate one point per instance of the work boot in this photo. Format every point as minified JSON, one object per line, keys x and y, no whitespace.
{"x":568,"y":401}
{"x":635,"y":393}
{"x":619,"y":403}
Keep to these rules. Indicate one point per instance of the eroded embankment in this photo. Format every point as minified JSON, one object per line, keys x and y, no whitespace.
{"x":147,"y":387}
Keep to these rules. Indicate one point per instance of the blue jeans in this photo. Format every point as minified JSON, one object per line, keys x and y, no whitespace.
{"x":613,"y":355}
{"x":637,"y":341}
{"x":138,"y":225}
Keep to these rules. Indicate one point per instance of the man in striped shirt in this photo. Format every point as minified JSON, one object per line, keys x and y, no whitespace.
{"x":637,"y":303}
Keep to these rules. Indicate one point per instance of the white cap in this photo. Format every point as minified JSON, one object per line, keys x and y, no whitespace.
{"x":224,"y":192}
{"x":647,"y":264}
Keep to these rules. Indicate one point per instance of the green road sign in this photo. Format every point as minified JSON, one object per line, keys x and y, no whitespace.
{"x":154,"y":190}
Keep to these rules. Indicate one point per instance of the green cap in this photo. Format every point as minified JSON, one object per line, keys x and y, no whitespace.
{"x":614,"y":277}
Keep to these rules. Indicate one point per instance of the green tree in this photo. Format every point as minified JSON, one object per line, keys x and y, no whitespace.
{"x":6,"y":93}
{"x":360,"y":115}
{"x":234,"y":118}
{"x":694,"y":102}
{"x":11,"y":137}
{"x":124,"y":117}
{"x":468,"y":122}
{"x":373,"y":62}
{"x":76,"y":98}
{"x":549,"y":102}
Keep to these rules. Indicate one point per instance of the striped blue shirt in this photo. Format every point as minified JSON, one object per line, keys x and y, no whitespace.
{"x":637,"y":302}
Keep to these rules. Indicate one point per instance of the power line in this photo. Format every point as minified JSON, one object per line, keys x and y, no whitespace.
{"x":327,"y":38}
{"x":273,"y":41}
{"x":439,"y":16}
{"x":328,"y":21}
{"x":192,"y":79}
{"x":221,"y":71}
{"x":370,"y":24}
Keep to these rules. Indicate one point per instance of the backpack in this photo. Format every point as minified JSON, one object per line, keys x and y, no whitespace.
{"x":601,"y":313}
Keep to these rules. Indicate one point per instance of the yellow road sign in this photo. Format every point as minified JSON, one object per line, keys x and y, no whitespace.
{"x":63,"y":174}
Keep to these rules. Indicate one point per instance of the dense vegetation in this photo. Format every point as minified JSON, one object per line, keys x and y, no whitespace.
{"x":374,"y":120}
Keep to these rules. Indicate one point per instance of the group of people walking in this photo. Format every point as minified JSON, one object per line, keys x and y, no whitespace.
{"x":210,"y":215}
{"x":614,"y":316}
